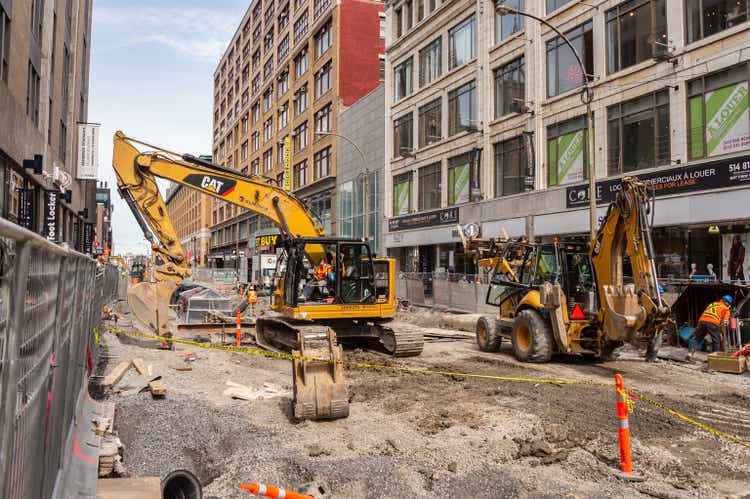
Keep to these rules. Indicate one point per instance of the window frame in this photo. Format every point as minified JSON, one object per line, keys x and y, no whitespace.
{"x":499,"y":151}
{"x":701,"y":22}
{"x":407,"y":178}
{"x":560,"y":129}
{"x":407,"y":78}
{"x":614,"y":15}
{"x":424,"y":59}
{"x":454,"y":123}
{"x":406,"y":121}
{"x":560,"y":43}
{"x":498,"y":21}
{"x":518,"y":66}
{"x":425,"y":139}
{"x":471,"y":23}
{"x":431,"y":171}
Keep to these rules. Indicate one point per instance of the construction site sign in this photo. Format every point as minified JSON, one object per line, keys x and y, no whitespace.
{"x":566,"y":157}
{"x":88,"y":151}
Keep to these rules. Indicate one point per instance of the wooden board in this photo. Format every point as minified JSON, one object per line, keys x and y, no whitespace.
{"x":116,"y":374}
{"x":157,"y":388}
{"x":140,"y":365}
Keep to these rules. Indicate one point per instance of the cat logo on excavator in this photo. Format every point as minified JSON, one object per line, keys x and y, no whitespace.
{"x":218,"y":185}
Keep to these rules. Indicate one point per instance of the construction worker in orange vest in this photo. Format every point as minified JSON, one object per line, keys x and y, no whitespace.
{"x":710,"y":322}
{"x":252,"y":297}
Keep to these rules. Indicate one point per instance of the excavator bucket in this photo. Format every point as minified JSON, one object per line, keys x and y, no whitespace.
{"x":149,"y":304}
{"x":623,"y":313}
{"x":319,"y":388}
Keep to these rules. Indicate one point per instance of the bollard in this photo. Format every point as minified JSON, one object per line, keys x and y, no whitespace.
{"x":239,"y":327}
{"x":256,"y":488}
{"x":624,"y":427}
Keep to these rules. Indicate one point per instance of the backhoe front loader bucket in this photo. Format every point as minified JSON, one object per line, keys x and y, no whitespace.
{"x":319,"y":388}
{"x":149,"y":304}
{"x":623,"y":313}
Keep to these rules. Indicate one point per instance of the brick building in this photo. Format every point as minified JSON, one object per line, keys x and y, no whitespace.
{"x":44,"y":67}
{"x":190,"y":212}
{"x":282,"y":81}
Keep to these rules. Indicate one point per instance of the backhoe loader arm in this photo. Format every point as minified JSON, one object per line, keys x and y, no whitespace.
{"x":136,"y":174}
{"x":626,"y":230}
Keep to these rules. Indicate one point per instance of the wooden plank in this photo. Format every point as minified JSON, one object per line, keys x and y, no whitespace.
{"x":140,"y":365}
{"x":157,"y":388}
{"x":116,"y":374}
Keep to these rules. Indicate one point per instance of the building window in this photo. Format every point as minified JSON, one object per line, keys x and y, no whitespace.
{"x":323,"y":38}
{"x":459,"y":175}
{"x":300,"y":174}
{"x":706,"y":17}
{"x":462,"y":104}
{"x":268,"y":99}
{"x":284,"y":17}
{"x":300,"y":137}
{"x":408,"y":14}
{"x":508,"y":24}
{"x":63,"y":140}
{"x":429,"y":187}
{"x":638,"y":133}
{"x":37,"y":18}
{"x":283,"y":49}
{"x":635,"y":32}
{"x":403,"y":142}
{"x":430,"y":62}
{"x":254,"y":167}
{"x":244,"y":151}
{"x":245,"y":124}
{"x":320,"y":6}
{"x":381,"y":20}
{"x":298,"y":4}
{"x":321,"y":206}
{"x":510,"y":88}
{"x":32,"y":94}
{"x":283,"y":113}
{"x":718,"y":116}
{"x":553,"y":5}
{"x":281,"y":152}
{"x":420,"y":10}
{"x":510,"y":167}
{"x":268,"y":160}
{"x":563,"y":72}
{"x":256,"y":141}
{"x":5,"y":44}
{"x":268,"y":69}
{"x":381,"y":68}
{"x":256,"y":84}
{"x":323,"y":119}
{"x":567,"y":151}
{"x":323,"y":79}
{"x":300,"y":100}
{"x":256,"y":59}
{"x":430,"y":129}
{"x":402,"y":80}
{"x":300,"y":63}
{"x":282,"y":86}
{"x":300,"y":27}
{"x":268,"y":129}
{"x":402,"y":188}
{"x":398,"y":20}
{"x":323,"y":163}
{"x":462,"y":43}
{"x":255,"y":110}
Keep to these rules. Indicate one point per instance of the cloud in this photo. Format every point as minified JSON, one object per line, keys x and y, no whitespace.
{"x":196,"y":32}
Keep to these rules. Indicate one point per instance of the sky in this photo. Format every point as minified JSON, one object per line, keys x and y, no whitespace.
{"x":152,"y":65}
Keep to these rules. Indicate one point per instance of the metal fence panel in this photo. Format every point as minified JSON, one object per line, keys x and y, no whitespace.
{"x":50,"y":301}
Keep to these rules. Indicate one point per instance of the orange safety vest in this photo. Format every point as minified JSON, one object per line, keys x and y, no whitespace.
{"x":322,"y":271}
{"x":715,"y":313}
{"x":252,"y":296}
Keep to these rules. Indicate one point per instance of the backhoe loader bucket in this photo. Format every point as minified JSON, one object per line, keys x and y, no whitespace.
{"x":623,"y":313}
{"x":149,"y":304}
{"x":319,"y":389}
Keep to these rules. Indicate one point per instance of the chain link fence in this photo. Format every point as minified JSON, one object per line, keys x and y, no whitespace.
{"x":50,"y":302}
{"x":464,"y":293}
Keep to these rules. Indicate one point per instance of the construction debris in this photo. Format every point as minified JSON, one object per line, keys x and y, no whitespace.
{"x":242,"y":392}
{"x":140,"y":366}
{"x":116,"y":374}
{"x":157,"y":388}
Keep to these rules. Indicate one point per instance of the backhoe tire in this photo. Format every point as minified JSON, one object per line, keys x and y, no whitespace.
{"x":532,"y":337}
{"x":488,"y":334}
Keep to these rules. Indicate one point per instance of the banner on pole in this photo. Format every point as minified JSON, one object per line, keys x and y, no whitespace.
{"x":88,"y":151}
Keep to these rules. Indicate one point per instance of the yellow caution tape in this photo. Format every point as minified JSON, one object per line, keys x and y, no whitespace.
{"x":623,"y":392}
{"x":414,"y":370}
{"x":97,"y":339}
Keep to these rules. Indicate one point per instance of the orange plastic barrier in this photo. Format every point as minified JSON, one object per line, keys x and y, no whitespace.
{"x":624,"y":426}
{"x":271,"y":491}
{"x":239,"y":328}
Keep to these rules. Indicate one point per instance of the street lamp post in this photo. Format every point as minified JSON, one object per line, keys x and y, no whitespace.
{"x":587,"y":97}
{"x":366,"y":230}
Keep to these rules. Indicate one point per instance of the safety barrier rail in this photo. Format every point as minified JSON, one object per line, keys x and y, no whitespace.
{"x":454,"y":292}
{"x":50,"y":302}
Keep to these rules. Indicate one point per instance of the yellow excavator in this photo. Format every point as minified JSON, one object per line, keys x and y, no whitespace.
{"x":327,"y":289}
{"x":576,"y":297}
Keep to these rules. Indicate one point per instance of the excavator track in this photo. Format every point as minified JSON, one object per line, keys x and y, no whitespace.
{"x":401,"y":343}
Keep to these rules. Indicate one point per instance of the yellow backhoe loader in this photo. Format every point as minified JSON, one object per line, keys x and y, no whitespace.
{"x":324,"y":285}
{"x":575,"y":297}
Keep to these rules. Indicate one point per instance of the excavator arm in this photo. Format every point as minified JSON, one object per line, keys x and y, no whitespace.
{"x":136,"y":180}
{"x":637,"y":311}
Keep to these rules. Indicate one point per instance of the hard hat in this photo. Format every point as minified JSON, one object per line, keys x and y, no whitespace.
{"x":728,"y":299}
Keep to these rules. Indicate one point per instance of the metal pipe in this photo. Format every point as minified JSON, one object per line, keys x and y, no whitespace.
{"x":10,"y":362}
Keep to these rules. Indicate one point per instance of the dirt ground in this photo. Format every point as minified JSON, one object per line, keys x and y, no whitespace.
{"x":430,"y":436}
